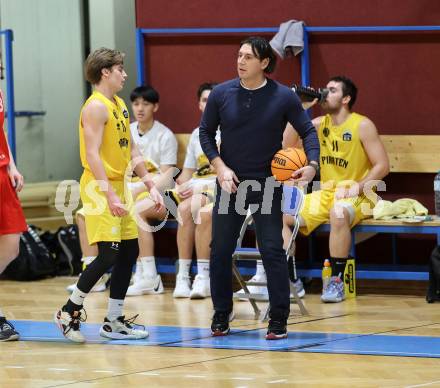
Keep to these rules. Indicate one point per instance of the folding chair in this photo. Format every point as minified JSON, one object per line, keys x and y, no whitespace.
{"x":292,"y":203}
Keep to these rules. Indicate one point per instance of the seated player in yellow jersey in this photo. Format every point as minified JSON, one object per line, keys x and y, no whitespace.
{"x":158,"y":146}
{"x":107,"y":155}
{"x":352,"y":158}
{"x":194,"y":195}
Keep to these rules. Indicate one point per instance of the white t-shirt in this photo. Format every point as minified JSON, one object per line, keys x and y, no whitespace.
{"x":158,"y":146}
{"x":196,"y":159}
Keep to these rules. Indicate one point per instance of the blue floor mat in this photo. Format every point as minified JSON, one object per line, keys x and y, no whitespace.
{"x":48,"y":331}
{"x":382,"y":345}
{"x":308,"y":342}
{"x":255,"y":340}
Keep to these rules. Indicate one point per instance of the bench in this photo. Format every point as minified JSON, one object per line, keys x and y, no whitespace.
{"x":407,"y":154}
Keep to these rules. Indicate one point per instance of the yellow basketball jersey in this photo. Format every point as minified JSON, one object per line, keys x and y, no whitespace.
{"x":343,"y":157}
{"x":115,"y":151}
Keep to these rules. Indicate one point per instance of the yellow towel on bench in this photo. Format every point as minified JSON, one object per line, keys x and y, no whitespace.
{"x":402,"y":208}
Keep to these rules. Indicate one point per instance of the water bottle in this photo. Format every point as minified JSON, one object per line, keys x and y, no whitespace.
{"x":326,"y":274}
{"x":307,"y":93}
{"x":437,"y":194}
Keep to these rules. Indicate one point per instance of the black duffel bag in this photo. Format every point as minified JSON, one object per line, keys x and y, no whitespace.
{"x":34,"y":260}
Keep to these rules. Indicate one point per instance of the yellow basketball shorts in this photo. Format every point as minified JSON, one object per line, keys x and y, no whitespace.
{"x":317,"y":206}
{"x":101,"y":225}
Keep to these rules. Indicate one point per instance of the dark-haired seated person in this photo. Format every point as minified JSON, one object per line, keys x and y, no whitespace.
{"x":352,"y":157}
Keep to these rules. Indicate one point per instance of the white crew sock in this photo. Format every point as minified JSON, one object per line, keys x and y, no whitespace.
{"x":77,"y":296}
{"x":148,"y":266}
{"x":260,"y":269}
{"x":203,"y":267}
{"x":184,"y":267}
{"x":115,"y":307}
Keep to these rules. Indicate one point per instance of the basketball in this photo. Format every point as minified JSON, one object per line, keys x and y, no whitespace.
{"x":285,"y":162}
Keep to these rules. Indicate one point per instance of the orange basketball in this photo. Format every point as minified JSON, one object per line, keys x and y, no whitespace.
{"x":285,"y":162}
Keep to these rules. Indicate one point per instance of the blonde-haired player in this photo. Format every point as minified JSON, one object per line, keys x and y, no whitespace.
{"x":107,"y":154}
{"x":158,"y":146}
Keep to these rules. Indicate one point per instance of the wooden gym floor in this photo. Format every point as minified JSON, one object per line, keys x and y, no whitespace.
{"x":374,"y":340}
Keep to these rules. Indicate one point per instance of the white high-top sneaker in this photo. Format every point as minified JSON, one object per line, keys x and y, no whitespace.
{"x":146,"y":285}
{"x":201,"y":287}
{"x":183,"y":286}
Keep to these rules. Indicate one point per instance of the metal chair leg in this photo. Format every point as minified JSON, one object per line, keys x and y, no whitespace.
{"x":243,"y":285}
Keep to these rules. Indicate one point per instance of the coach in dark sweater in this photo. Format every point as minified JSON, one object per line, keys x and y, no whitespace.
{"x":252,"y":112}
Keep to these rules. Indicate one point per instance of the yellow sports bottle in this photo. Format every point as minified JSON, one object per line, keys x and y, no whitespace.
{"x":350,"y":279}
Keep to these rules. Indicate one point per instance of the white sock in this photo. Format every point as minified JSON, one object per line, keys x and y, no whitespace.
{"x":184,"y":267}
{"x":139,"y":270}
{"x":115,"y":307}
{"x":148,"y":266}
{"x":87,"y":260}
{"x":203,"y":267}
{"x":78,"y":296}
{"x":1,"y":313}
{"x":260,"y":269}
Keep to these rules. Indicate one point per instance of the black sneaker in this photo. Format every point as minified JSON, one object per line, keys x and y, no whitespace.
{"x":277,"y":329}
{"x":7,"y":331}
{"x":220,"y":323}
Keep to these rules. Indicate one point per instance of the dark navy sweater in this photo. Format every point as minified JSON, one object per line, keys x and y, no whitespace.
{"x":252,"y":123}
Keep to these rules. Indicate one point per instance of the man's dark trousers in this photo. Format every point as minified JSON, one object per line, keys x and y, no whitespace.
{"x":226,"y":224}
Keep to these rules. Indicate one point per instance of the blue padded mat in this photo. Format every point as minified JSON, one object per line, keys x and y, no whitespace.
{"x":191,"y":337}
{"x":48,"y":331}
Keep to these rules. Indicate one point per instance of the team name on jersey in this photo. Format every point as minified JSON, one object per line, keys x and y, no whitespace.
{"x":334,"y":161}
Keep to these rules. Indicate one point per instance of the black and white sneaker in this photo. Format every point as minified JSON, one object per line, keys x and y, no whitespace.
{"x":122,"y":328}
{"x":70,"y":324}
{"x":220,"y":323}
{"x":7,"y":331}
{"x":277,"y":329}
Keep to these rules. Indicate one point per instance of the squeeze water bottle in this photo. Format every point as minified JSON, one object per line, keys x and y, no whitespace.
{"x":326,"y":274}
